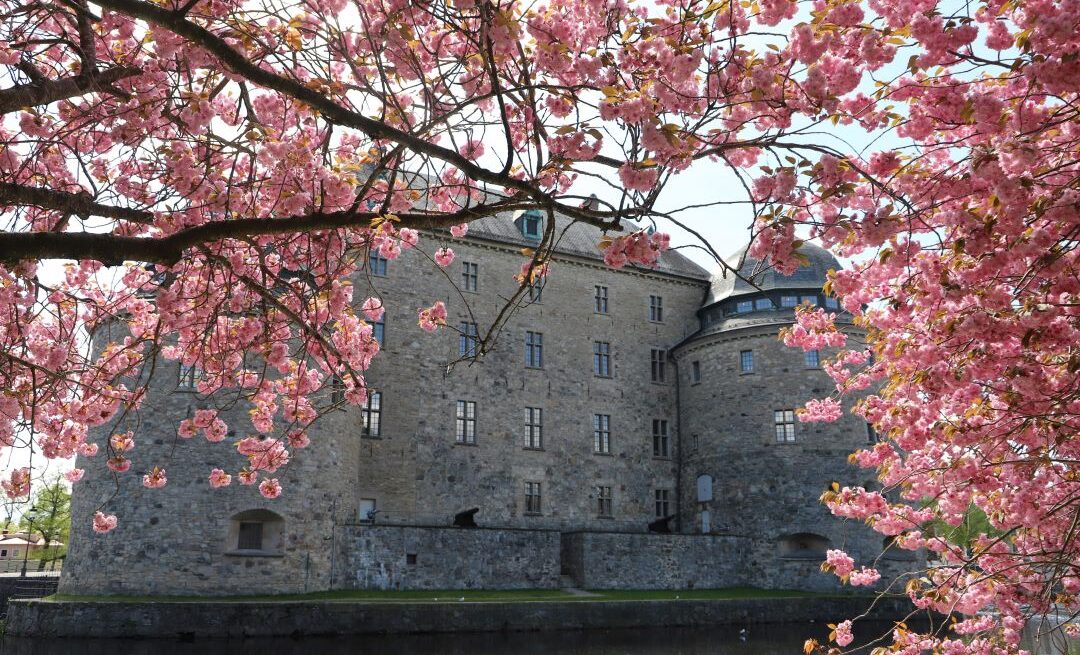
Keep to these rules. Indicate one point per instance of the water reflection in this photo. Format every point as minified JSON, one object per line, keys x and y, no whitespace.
{"x":760,"y":640}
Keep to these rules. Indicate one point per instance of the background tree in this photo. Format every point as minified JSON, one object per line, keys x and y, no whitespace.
{"x":52,"y":519}
{"x":243,"y":159}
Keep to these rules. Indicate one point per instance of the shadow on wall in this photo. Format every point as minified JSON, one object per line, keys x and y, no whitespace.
{"x":257,"y":532}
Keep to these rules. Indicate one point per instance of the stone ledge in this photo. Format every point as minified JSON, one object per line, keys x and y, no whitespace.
{"x":82,"y":619}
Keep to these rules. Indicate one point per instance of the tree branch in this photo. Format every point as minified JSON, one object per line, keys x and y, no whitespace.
{"x":49,"y":91}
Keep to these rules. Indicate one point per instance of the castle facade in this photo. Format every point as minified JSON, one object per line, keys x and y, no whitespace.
{"x":610,"y":400}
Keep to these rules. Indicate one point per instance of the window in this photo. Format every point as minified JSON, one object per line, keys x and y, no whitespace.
{"x":763,"y":303}
{"x":601,"y":424}
{"x":813,"y":358}
{"x":659,"y":358}
{"x":3,"y":552}
{"x":466,"y":421}
{"x":189,"y":376}
{"x":469,"y":273}
{"x":746,"y":361}
{"x":532,"y":498}
{"x":250,"y":536}
{"x":377,"y":264}
{"x":603,"y":501}
{"x":695,"y":372}
{"x":808,"y":299}
{"x":789,"y":301}
{"x":337,"y":390}
{"x":531,"y":224}
{"x":536,"y":289}
{"x":469,"y":341}
{"x":832,"y":303}
{"x":656,"y":309}
{"x":785,"y":425}
{"x":534,"y":350}
{"x":601,"y":299}
{"x":367,"y":512}
{"x":534,"y":428}
{"x":379,"y":329}
{"x":744,"y":306}
{"x":602,"y":359}
{"x":663,"y":503}
{"x":660,"y":441}
{"x":371,"y":416}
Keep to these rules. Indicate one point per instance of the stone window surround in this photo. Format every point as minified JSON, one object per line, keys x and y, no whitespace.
{"x":273,"y":534}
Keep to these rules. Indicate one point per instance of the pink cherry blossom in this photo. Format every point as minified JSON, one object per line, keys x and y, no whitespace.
{"x":104,"y":522}
{"x":155,"y":479}
{"x":270,"y":488}
{"x":373,"y":309}
{"x":444,"y":257}
{"x":219,"y":478}
{"x":459,"y":231}
{"x":74,"y":475}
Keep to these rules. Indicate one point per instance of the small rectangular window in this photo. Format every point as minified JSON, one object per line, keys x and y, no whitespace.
{"x":695,"y":372}
{"x":531,"y":222}
{"x":189,"y":377}
{"x":532,"y":498}
{"x":813,"y":359}
{"x":789,"y":301}
{"x":536,"y":289}
{"x":466,"y":421}
{"x":377,"y":264}
{"x":379,"y":329}
{"x":656,"y":309}
{"x":831,"y":303}
{"x":469,"y":276}
{"x":763,"y":303}
{"x":784,"y":420}
{"x":603,"y":501}
{"x":744,"y":306}
{"x":602,"y":359}
{"x":659,"y":362}
{"x":600,"y":298}
{"x":660,"y":440}
{"x":746,"y":361}
{"x":534,"y":350}
{"x":534,"y":428}
{"x":663,"y":503}
{"x":812,"y":300}
{"x":602,"y":434}
{"x":468,"y":340}
{"x":371,"y":416}
{"x":250,"y":536}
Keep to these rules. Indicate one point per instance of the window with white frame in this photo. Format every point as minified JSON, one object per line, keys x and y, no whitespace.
{"x":466,"y":422}
{"x":532,"y":498}
{"x":601,"y":434}
{"x":659,"y":362}
{"x":534,"y":428}
{"x":602,"y":359}
{"x":600,"y":298}
{"x":784,"y":420}
{"x":789,"y":301}
{"x":189,"y":376}
{"x":656,"y":309}
{"x":813,"y":358}
{"x":371,"y":416}
{"x":746,"y":361}
{"x":603,"y":501}
{"x":663,"y":503}
{"x":534,"y":350}
{"x":468,"y":340}
{"x":469,"y":276}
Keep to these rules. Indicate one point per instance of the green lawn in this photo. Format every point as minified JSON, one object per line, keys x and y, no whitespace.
{"x":454,"y":596}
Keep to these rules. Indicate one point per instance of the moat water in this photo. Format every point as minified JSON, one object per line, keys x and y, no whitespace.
{"x":779,"y":639}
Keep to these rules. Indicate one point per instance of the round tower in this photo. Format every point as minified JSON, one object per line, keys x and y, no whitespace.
{"x":750,"y":468}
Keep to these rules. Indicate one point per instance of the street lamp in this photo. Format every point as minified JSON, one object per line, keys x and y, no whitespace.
{"x":30,"y":514}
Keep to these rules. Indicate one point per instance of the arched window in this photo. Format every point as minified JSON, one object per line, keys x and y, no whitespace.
{"x":803,"y":545}
{"x":256,"y":532}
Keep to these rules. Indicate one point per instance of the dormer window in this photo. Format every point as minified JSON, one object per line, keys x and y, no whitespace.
{"x":531,"y":224}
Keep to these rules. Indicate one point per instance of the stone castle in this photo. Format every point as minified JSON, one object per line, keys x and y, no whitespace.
{"x":610,"y":400}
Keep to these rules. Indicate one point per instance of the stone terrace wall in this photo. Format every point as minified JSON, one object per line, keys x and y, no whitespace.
{"x":408,"y":557}
{"x":609,"y":560}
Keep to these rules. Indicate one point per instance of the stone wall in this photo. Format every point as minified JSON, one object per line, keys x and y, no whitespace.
{"x":598,"y":560}
{"x":401,"y":557}
{"x":32,"y":586}
{"x":171,"y":620}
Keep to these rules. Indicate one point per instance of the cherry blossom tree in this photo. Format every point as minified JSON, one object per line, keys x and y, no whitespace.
{"x":218,"y":171}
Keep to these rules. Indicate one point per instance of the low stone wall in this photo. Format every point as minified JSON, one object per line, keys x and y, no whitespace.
{"x":33,"y":586}
{"x":406,"y":557}
{"x":612,"y":560}
{"x":41,"y":618}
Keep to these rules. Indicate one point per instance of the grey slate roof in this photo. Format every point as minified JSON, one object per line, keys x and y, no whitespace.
{"x":809,"y":276}
{"x":578,"y":239}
